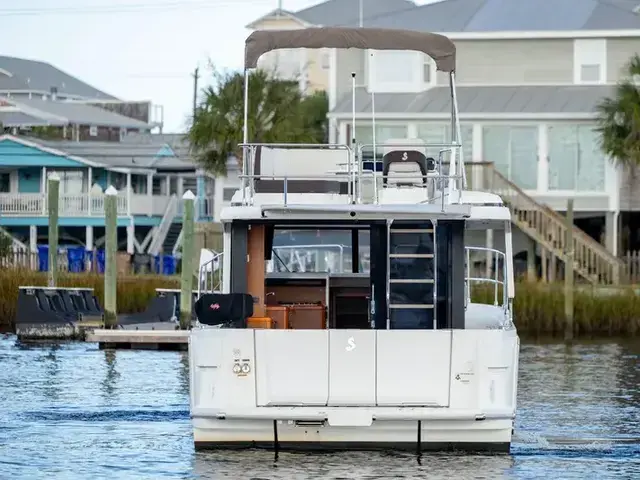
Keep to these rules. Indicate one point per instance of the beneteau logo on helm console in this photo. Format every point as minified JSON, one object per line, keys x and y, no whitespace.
{"x":405,"y":156}
{"x":215,"y":306}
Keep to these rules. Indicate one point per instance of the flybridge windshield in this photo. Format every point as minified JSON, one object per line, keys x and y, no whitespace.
{"x":315,"y":250}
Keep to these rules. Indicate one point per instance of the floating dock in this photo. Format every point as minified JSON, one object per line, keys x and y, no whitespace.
{"x":161,"y":338}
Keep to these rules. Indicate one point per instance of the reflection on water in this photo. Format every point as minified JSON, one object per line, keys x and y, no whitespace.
{"x":71,"y":411}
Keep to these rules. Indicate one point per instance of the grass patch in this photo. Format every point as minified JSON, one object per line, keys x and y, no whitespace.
{"x":134,"y":291}
{"x":539,"y":310}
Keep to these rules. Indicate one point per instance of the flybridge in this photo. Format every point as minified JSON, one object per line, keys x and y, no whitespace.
{"x":336,"y":173}
{"x":407,"y":172}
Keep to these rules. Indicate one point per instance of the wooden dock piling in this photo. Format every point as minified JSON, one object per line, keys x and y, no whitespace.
{"x":111,"y":251}
{"x":568,"y":275}
{"x":186,"y":284}
{"x":53,"y":185}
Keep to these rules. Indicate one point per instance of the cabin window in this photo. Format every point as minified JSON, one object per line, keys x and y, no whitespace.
{"x":311,"y":251}
{"x":575,"y":159}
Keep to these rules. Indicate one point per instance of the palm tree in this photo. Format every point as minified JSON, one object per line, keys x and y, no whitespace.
{"x":278,"y":112}
{"x":619,"y":118}
{"x":619,"y":127}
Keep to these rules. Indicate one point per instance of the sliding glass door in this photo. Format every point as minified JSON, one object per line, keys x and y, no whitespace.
{"x":575,"y":159}
{"x":514,"y":151}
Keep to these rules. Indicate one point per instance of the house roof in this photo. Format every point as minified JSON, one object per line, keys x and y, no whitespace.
{"x":62,"y":113}
{"x":45,"y":147}
{"x":336,"y":13}
{"x":19,"y":119}
{"x":33,"y":75}
{"x":455,"y":16}
{"x":122,"y":155}
{"x":578,"y":100}
{"x":273,"y":14}
{"x":333,"y":13}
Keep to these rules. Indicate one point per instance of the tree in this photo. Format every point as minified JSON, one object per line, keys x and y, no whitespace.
{"x":619,"y":126}
{"x":278,"y":113}
{"x":619,"y":119}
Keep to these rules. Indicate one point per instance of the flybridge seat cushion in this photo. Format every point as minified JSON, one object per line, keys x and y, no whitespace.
{"x":315,"y":165}
{"x":406,"y":168}
{"x":227,"y":309}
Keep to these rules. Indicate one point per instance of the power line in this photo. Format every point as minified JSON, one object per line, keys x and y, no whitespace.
{"x":120,"y":9}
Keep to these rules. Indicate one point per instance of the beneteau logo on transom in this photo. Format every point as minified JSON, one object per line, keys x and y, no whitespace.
{"x":351,"y":344}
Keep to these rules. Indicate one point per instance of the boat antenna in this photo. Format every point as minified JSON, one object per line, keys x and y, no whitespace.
{"x":353,"y":109}
{"x":373,"y":127}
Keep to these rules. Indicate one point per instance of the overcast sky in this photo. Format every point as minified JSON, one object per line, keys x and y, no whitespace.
{"x":135,"y":49}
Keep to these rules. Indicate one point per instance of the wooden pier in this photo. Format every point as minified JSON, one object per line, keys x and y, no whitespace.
{"x":143,"y":339}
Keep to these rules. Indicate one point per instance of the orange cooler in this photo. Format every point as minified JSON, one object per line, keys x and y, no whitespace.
{"x":259,"y":322}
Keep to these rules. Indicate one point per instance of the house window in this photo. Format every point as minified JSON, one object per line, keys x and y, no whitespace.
{"x":5,"y":182}
{"x":438,"y":133}
{"x":590,"y":61}
{"x":364,"y":136}
{"x":514,"y":151}
{"x":325,"y":58}
{"x":139,"y":184}
{"x":159,"y":185}
{"x":72,"y":182}
{"x":575,"y":160}
{"x":395,"y":71}
{"x":428,"y":70}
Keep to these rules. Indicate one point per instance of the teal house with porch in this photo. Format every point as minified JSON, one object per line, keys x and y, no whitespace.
{"x":150,"y":172}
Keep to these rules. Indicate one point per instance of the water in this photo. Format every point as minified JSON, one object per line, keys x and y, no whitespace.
{"x":75,"y":412}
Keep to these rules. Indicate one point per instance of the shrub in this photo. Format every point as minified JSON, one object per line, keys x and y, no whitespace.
{"x":598,"y":311}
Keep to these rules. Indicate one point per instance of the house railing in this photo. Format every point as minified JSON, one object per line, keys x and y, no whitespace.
{"x":591,"y":260}
{"x":87,"y":204}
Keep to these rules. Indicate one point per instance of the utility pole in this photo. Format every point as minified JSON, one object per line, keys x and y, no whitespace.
{"x":196,"y":76}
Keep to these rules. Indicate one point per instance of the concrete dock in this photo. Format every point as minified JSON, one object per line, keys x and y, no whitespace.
{"x":140,"y":339}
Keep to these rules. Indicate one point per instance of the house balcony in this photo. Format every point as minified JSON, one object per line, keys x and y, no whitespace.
{"x":91,"y":205}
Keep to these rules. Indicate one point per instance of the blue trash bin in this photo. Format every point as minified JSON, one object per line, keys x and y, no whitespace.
{"x":43,"y":258}
{"x":76,"y":259}
{"x":169,"y":265}
{"x":100,"y":258}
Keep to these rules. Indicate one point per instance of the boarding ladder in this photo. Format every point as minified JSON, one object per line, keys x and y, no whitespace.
{"x":411,"y":273}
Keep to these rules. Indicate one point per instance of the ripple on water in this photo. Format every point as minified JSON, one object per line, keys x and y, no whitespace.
{"x":71,"y":411}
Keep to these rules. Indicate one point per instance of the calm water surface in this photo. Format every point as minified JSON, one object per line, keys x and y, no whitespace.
{"x":74,"y":412}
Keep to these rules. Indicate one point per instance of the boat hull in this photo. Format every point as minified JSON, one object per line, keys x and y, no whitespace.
{"x":354,"y":389}
{"x":491,"y":436}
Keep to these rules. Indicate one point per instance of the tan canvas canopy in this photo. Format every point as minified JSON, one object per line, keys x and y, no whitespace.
{"x":438,"y":47}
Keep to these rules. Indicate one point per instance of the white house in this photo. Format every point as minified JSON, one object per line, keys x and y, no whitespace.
{"x":530,"y":74}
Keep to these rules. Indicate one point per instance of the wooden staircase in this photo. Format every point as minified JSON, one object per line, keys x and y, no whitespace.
{"x":592,"y":261}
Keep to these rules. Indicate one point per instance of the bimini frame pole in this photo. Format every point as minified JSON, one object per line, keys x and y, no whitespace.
{"x":456,"y":119}
{"x":353,"y":138}
{"x":245,"y":138}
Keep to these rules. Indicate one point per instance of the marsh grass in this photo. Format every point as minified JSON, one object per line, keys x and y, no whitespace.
{"x":539,"y":307}
{"x":134,"y":291}
{"x":598,"y":312}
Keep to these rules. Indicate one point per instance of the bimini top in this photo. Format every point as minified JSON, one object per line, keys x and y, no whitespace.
{"x":438,"y":47}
